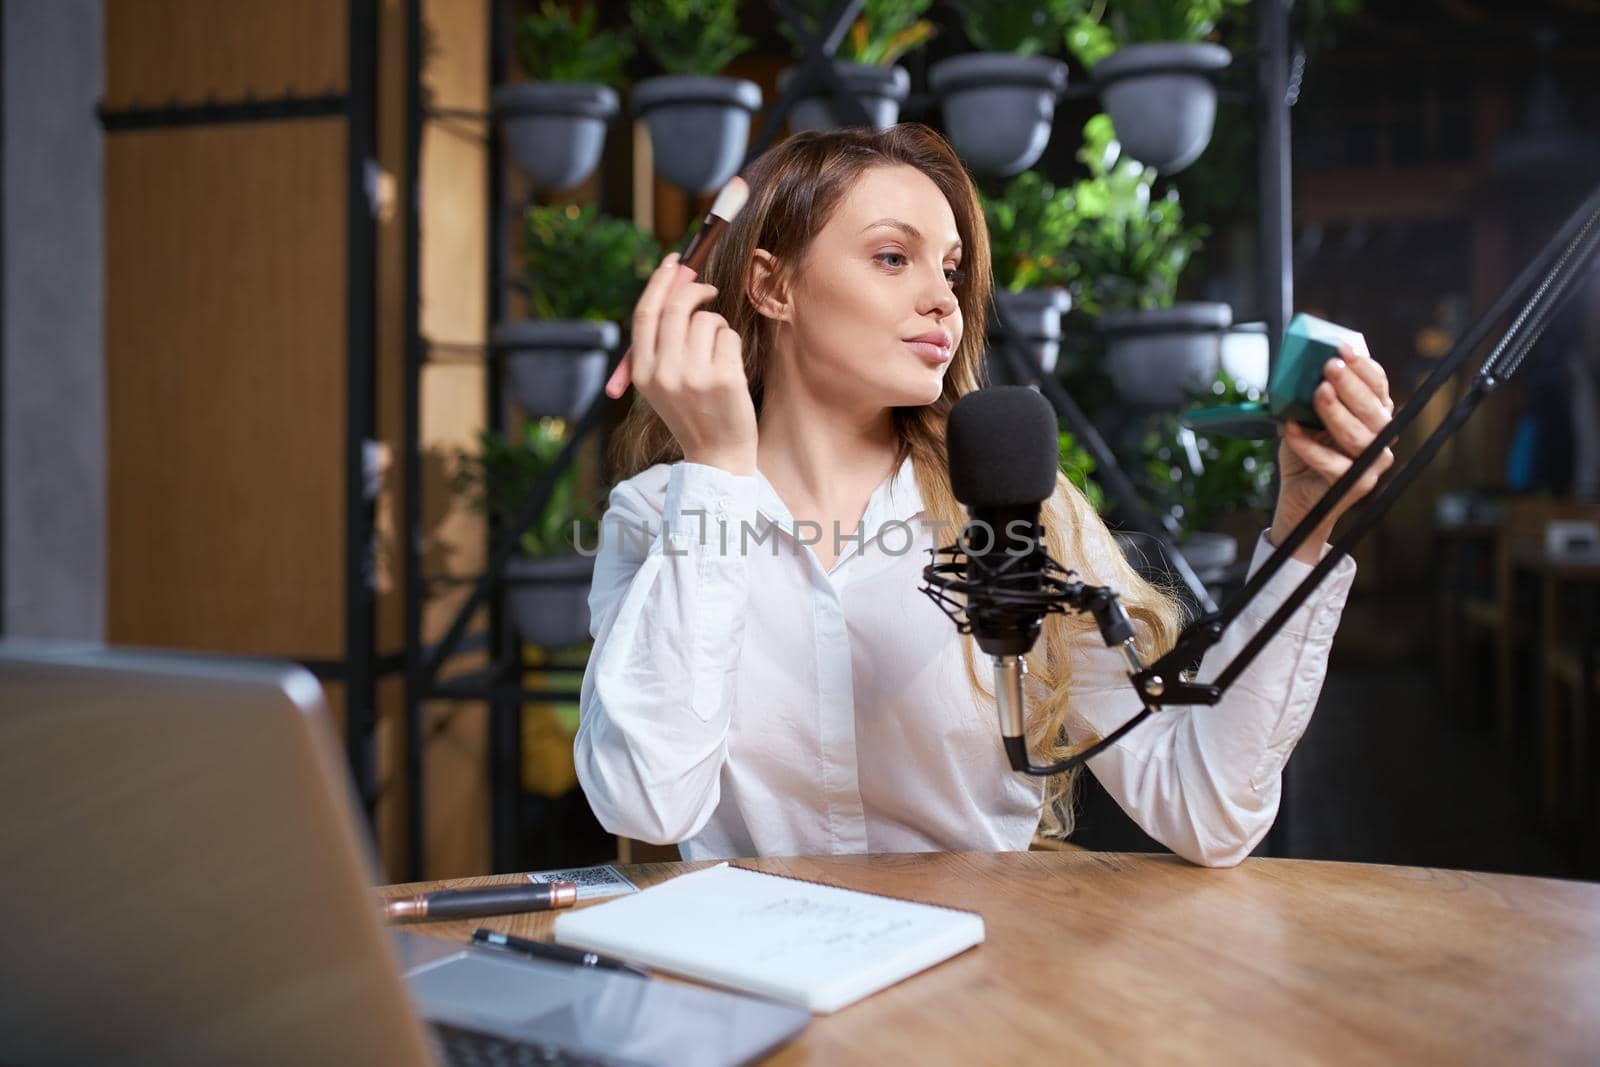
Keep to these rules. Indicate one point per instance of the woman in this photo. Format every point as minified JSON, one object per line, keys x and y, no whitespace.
{"x":761,"y":684}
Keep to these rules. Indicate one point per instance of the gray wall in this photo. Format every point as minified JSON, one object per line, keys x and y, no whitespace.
{"x":52,"y":395}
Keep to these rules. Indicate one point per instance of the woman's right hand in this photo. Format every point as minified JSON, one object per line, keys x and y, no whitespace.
{"x":689,"y":365}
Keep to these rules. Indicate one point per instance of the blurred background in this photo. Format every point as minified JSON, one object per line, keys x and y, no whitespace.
{"x":306,"y":307}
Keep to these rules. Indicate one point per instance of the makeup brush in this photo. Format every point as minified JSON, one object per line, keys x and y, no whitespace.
{"x":723,"y":210}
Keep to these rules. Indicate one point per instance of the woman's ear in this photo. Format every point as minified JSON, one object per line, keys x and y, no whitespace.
{"x":765,"y":287}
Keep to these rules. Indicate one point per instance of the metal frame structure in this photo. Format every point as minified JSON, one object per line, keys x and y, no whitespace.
{"x":361,"y":666}
{"x":499,"y":684}
{"x":224,"y":112}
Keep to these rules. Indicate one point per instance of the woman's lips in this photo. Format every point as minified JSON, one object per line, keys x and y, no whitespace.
{"x":938,"y":355}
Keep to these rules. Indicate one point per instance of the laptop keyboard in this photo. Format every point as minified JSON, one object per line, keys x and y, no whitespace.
{"x":473,"y":1048}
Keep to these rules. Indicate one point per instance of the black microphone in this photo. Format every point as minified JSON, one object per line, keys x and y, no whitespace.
{"x":1003,"y":454}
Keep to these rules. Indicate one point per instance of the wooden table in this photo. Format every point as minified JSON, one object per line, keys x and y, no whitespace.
{"x":1144,"y":958}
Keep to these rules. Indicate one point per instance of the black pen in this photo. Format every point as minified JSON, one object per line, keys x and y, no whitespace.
{"x":490,"y":900}
{"x":545,"y":951}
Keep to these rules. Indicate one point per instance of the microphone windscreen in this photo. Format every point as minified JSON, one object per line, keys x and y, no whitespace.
{"x":1003,"y":447}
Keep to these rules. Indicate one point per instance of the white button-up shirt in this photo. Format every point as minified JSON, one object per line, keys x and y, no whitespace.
{"x":742,"y":701}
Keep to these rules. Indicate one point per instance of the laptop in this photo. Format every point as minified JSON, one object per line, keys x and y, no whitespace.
{"x":183,"y":881}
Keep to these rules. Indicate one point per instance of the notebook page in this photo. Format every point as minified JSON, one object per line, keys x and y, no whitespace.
{"x":815,"y":945}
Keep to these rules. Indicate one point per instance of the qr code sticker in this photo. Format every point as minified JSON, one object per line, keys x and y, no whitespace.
{"x":593,"y":882}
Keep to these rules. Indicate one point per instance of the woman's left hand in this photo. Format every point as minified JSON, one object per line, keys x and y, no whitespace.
{"x":1354,"y":405}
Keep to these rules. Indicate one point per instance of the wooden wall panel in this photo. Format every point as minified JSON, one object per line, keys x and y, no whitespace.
{"x":225,"y":351}
{"x":454,"y":174}
{"x":454,"y":258}
{"x":158,"y":50}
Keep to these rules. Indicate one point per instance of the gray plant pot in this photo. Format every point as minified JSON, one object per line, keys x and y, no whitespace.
{"x":1160,"y":358}
{"x":1161,"y":100}
{"x":1036,"y":315}
{"x":1246,"y":355}
{"x":998,"y":107}
{"x":699,"y":127}
{"x":554,"y":368}
{"x":881,"y":91}
{"x":549,"y":599}
{"x":1210,"y":553}
{"x":555,"y":131}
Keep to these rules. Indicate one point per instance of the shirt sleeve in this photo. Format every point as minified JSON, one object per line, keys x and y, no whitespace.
{"x":667,"y":613}
{"x":1205,"y":780}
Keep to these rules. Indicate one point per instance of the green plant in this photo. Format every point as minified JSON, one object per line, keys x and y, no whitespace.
{"x":1090,"y":41}
{"x":554,"y":46}
{"x":689,"y":36}
{"x":1025,"y":27}
{"x":1133,"y":21}
{"x":1078,"y":466}
{"x":579,"y":264}
{"x":1114,"y":24}
{"x":1201,"y":478}
{"x":885,"y":30}
{"x":1030,"y":228}
{"x":1129,"y":247}
{"x":498,"y":479}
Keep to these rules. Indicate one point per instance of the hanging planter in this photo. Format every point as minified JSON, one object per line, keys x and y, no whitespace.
{"x":881,"y":91}
{"x":1161,"y":99}
{"x":555,"y":122}
{"x":864,"y":64}
{"x":699,"y":127}
{"x":699,"y":122}
{"x":546,"y":583}
{"x":1160,"y":357}
{"x":1035,"y":316}
{"x":582,"y":273}
{"x":548,"y":598}
{"x":555,"y":368}
{"x":555,"y":131}
{"x":998,"y":107}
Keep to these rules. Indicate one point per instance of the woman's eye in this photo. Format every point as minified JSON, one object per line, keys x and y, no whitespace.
{"x":953,"y":275}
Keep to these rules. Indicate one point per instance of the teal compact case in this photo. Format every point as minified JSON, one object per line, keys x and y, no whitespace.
{"x":1308,"y":344}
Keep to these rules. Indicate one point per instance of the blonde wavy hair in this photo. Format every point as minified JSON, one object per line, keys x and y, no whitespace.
{"x":794,"y":188}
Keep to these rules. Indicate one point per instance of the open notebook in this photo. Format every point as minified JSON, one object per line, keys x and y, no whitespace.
{"x":818,"y":946}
